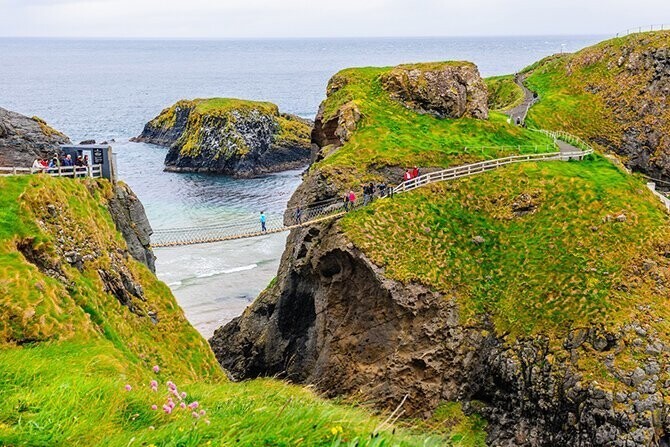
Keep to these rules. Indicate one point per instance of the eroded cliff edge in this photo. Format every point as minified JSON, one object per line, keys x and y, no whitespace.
{"x":555,"y":336}
{"x":229,"y":136}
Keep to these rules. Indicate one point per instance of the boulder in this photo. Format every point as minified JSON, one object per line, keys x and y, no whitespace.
{"x":446,"y":90}
{"x":23,"y":139}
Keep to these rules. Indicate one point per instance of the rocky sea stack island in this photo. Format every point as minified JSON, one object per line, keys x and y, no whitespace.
{"x":229,"y":136}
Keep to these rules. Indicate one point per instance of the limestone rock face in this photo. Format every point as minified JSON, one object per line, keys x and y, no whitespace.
{"x":242,"y":139}
{"x":448,"y":90}
{"x":131,"y":220}
{"x":23,"y":139}
{"x":332,"y":131}
{"x":645,"y":141}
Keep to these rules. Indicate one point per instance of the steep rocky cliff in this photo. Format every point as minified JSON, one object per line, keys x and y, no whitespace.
{"x":229,"y":136}
{"x":616,"y":94}
{"x":535,"y":295}
{"x":131,"y":220}
{"x":24,"y":139}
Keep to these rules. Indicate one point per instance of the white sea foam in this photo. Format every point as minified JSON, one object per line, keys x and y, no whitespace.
{"x":227,"y":271}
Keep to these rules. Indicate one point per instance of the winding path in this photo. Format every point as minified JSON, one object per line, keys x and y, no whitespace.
{"x":518,"y":114}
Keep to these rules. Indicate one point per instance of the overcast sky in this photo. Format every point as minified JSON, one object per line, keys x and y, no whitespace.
{"x":323,"y":18}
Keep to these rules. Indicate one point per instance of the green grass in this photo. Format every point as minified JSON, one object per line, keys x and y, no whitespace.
{"x":467,"y":431}
{"x":389,"y":134}
{"x":73,"y":393}
{"x":223,"y":105}
{"x":504,"y":93}
{"x":561,"y":266}
{"x":68,"y":348}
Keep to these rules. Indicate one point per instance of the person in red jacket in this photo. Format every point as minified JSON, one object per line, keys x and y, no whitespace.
{"x":407,"y":176}
{"x":415,"y":172}
{"x":352,"y":200}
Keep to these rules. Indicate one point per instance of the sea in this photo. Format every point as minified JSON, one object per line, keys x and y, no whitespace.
{"x":106,"y":90}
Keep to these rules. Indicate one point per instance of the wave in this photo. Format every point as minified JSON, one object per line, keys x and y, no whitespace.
{"x":227,"y":271}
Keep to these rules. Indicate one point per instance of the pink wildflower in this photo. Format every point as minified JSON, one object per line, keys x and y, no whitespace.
{"x":202,"y":412}
{"x":195,"y":415}
{"x":156,"y":369}
{"x":154,"y":384}
{"x":193,"y":405}
{"x":128,"y":387}
{"x":167,"y":409}
{"x":154,"y":407}
{"x":182,"y":405}
{"x":183,"y":395}
{"x":171,"y":385}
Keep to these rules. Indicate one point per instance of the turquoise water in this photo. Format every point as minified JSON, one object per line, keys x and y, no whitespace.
{"x":108,"y":89}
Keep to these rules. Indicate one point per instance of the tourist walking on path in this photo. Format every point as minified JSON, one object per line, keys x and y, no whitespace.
{"x":407,"y":176}
{"x":263,"y":220}
{"x":298,"y":215}
{"x":352,"y":200}
{"x":346,"y":201}
{"x":415,"y":172}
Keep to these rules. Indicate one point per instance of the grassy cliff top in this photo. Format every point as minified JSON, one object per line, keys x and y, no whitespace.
{"x":69,"y":347}
{"x":213,"y":107}
{"x":432,"y":66}
{"x":599,"y":91}
{"x":553,"y":255}
{"x":390,"y":134}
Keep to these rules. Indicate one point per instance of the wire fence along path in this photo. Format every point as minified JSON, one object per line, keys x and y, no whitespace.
{"x":643,"y":29}
{"x":61,"y":171}
{"x":299,"y":217}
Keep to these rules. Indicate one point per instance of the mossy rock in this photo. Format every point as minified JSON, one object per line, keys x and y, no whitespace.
{"x":229,"y":136}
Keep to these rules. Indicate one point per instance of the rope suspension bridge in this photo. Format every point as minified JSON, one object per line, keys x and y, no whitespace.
{"x":572,"y":149}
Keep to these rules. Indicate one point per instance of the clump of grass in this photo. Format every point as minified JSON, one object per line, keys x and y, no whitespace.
{"x":46,"y":129}
{"x":504,"y":93}
{"x":465,"y":430}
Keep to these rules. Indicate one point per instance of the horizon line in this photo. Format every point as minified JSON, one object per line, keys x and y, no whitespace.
{"x":213,"y":38}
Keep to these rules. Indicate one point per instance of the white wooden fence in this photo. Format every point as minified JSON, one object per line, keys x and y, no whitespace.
{"x":483,"y":166}
{"x":60,"y":171}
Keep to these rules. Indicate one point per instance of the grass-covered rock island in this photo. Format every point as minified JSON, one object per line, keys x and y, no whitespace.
{"x":534,"y":296}
{"x":228,"y":136}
